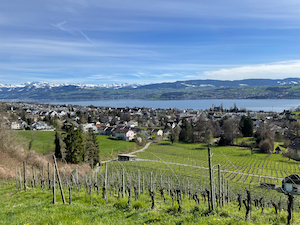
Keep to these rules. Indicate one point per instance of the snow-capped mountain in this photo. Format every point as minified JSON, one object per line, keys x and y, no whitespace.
{"x":275,"y":88}
{"x":46,"y":85}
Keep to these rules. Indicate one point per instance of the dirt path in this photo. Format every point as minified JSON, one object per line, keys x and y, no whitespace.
{"x":140,"y":150}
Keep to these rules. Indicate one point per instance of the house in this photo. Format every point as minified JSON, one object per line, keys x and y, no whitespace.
{"x":124,"y":133}
{"x":15,"y":126}
{"x":132,"y":123}
{"x":86,"y":127}
{"x":294,"y":148}
{"x":33,"y":117}
{"x":278,"y":150}
{"x":126,"y":157}
{"x":158,"y":132}
{"x":291,"y":184}
{"x":109,"y":131}
{"x":102,"y":130}
{"x":41,"y":125}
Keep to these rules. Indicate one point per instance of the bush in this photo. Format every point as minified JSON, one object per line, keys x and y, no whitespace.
{"x":266,"y":146}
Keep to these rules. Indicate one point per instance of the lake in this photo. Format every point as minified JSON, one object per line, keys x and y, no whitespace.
{"x":277,"y":105}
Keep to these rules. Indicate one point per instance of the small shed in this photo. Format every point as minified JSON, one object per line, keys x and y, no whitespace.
{"x":291,"y":184}
{"x":278,"y":150}
{"x":126,"y":157}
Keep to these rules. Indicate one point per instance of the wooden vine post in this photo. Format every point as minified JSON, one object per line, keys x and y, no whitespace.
{"x":220,"y":189}
{"x":17,"y":179}
{"x":59,"y":181}
{"x":24,"y":167}
{"x":54,"y":196}
{"x":212,"y":202}
{"x":139,"y":181}
{"x":49,"y":182}
{"x":105,"y":182}
{"x":123,"y":179}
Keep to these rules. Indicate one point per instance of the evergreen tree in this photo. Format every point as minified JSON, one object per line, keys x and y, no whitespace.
{"x":57,"y":146}
{"x":246,"y":126}
{"x":186,"y":131}
{"x":174,"y":134}
{"x":91,"y":148}
{"x":74,"y":145}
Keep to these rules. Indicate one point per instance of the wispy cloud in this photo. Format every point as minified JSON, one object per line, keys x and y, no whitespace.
{"x":86,"y":37}
{"x":276,"y":70}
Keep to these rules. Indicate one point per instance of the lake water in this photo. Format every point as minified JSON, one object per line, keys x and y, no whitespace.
{"x":277,"y":105}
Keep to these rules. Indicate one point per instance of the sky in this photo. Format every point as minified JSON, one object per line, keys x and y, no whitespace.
{"x":147,"y":41}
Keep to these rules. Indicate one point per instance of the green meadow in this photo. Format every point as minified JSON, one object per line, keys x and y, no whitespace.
{"x":43,"y":143}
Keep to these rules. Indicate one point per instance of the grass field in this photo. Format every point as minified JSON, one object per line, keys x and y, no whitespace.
{"x":43,"y":143}
{"x":230,"y":158}
{"x":35,"y":207}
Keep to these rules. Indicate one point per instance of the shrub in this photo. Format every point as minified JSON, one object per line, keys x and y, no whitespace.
{"x":266,"y":146}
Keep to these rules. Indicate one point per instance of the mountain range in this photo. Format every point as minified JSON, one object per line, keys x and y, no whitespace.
{"x":189,"y":89}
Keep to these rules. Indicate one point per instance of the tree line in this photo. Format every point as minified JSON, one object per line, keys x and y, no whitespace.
{"x":79,"y":147}
{"x":227,"y":130}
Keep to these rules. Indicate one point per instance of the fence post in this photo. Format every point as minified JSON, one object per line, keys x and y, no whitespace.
{"x":139,"y":181}
{"x":211,"y":181}
{"x":24,"y":167}
{"x":105,"y":182}
{"x":59,"y":181}
{"x":54,"y":197}
{"x":20,"y":177}
{"x":220,"y":189}
{"x":17,"y":179}
{"x":77,"y":179}
{"x":49,"y":182}
{"x":123,"y":177}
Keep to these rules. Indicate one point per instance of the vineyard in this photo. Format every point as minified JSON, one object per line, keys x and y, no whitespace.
{"x":166,"y":184}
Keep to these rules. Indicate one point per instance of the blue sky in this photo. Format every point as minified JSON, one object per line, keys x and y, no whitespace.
{"x":139,"y":41}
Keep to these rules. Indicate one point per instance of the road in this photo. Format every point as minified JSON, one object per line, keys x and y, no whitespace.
{"x":131,"y":153}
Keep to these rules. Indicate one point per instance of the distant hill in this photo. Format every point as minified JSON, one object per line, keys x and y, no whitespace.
{"x":288,"y":88}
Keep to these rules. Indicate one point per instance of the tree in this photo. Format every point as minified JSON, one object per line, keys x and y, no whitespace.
{"x":174,"y":134}
{"x":57,"y":146}
{"x":230,"y":131}
{"x":74,"y":145}
{"x":265,"y":138}
{"x":186,"y":132}
{"x":208,"y":137}
{"x":278,"y":136}
{"x":91,"y":148}
{"x":266,"y":146}
{"x":295,"y":127}
{"x":246,"y":126}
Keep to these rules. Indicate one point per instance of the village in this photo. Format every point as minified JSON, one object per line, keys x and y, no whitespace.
{"x":129,"y":123}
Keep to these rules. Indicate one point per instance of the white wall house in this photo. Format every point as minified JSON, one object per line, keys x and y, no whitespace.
{"x":15,"y":125}
{"x":86,"y":127}
{"x":124,"y":134}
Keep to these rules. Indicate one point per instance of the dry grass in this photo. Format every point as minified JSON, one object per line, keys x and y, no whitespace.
{"x":13,"y":154}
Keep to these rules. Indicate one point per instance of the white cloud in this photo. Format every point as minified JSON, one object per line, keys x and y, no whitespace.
{"x":276,"y":70}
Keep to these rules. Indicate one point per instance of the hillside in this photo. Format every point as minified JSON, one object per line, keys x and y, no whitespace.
{"x":191,"y":89}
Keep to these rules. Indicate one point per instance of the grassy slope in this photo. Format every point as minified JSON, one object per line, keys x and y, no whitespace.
{"x":230,"y":158}
{"x":44,"y":143}
{"x":43,"y":140}
{"x":35,"y":207}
